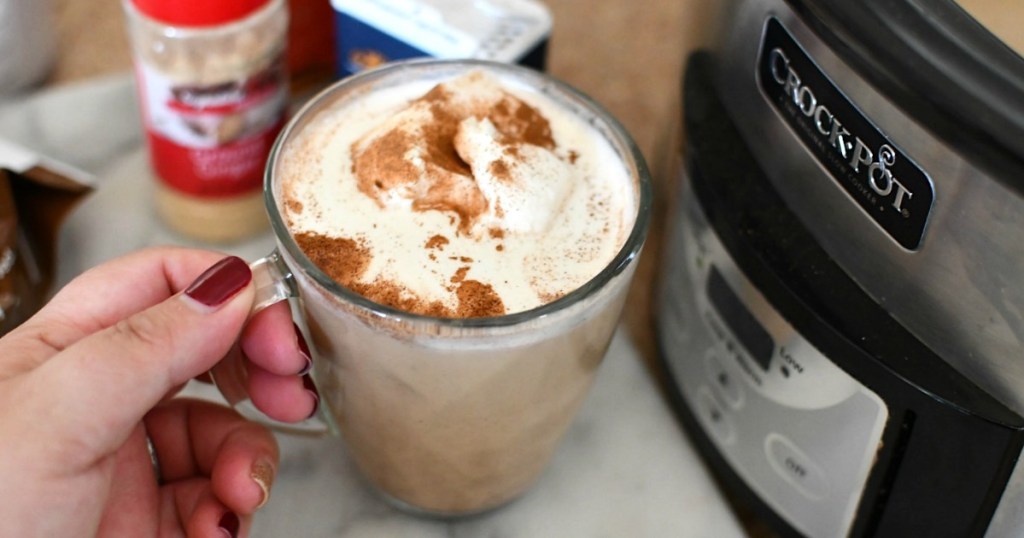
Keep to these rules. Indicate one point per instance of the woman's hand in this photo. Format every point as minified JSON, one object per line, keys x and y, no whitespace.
{"x":85,"y":390}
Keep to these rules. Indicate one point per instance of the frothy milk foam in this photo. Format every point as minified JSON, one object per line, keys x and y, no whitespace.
{"x":478,"y":198}
{"x":472,"y":198}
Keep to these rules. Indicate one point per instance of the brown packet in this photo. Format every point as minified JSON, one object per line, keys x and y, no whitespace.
{"x":33,"y":204}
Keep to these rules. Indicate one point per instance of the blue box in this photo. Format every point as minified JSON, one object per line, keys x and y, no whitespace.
{"x":372,"y":32}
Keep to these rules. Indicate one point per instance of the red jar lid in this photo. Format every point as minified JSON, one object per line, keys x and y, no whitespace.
{"x":198,"y":12}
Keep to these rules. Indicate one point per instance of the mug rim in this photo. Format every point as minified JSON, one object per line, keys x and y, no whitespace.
{"x":618,"y":137}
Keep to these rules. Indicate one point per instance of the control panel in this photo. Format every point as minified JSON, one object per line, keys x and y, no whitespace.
{"x":798,"y":429}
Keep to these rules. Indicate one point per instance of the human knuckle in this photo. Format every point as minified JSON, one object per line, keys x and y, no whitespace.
{"x":143,"y":329}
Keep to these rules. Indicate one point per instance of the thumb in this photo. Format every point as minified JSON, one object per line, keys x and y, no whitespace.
{"x":101,"y":386}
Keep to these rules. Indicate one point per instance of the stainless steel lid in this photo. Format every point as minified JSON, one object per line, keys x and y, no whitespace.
{"x":941,"y":66}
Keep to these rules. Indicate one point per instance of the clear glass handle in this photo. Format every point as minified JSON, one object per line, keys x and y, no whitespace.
{"x":273,"y":280}
{"x":274,"y":283}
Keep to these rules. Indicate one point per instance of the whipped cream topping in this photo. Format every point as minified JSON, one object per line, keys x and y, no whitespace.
{"x":473,"y":197}
{"x":470,"y":147}
{"x":525,"y":185}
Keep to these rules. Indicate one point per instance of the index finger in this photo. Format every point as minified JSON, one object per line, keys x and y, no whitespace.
{"x":99,"y":298}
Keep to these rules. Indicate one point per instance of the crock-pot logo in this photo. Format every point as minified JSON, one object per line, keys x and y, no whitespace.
{"x":849,"y":147}
{"x":890,"y":188}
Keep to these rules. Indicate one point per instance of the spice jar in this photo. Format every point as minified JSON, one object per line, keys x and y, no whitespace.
{"x":213,"y":88}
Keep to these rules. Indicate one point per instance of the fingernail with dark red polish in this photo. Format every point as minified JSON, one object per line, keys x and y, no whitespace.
{"x":229,"y":524}
{"x":220,"y":282}
{"x":307,"y":382}
{"x":303,"y":350}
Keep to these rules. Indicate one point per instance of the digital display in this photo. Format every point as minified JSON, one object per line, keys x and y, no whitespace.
{"x":741,"y":322}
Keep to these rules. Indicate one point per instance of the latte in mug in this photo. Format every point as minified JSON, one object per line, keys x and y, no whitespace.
{"x":466,"y":232}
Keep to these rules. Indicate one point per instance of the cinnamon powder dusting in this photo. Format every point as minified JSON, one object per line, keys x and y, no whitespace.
{"x":460,"y":275}
{"x":437,"y":242}
{"x":500,"y":170}
{"x":398,"y":297}
{"x":294,"y":206}
{"x":521,"y":123}
{"x":343,"y":259}
{"x":478,"y":300}
{"x":346,"y":260}
{"x":419,"y":156}
{"x":379,"y":169}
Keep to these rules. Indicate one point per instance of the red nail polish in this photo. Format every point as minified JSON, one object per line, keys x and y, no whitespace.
{"x":303,"y":350}
{"x":307,"y":383}
{"x":220,"y":282}
{"x":230,"y":524}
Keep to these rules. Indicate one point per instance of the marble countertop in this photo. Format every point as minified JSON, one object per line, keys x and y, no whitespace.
{"x":625,"y":466}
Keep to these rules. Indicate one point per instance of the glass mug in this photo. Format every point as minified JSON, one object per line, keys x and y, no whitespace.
{"x":445,"y":417}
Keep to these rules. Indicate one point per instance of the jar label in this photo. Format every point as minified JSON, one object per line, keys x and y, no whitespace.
{"x":212,"y":139}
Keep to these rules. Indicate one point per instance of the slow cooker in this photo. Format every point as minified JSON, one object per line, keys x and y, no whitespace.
{"x":840,"y":310}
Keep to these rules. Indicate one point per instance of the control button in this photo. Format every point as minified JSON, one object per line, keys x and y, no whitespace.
{"x":723,"y":381}
{"x":796,"y":467}
{"x":716,"y":418}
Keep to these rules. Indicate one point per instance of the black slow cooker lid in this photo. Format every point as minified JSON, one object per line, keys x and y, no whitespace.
{"x":939,"y":65}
